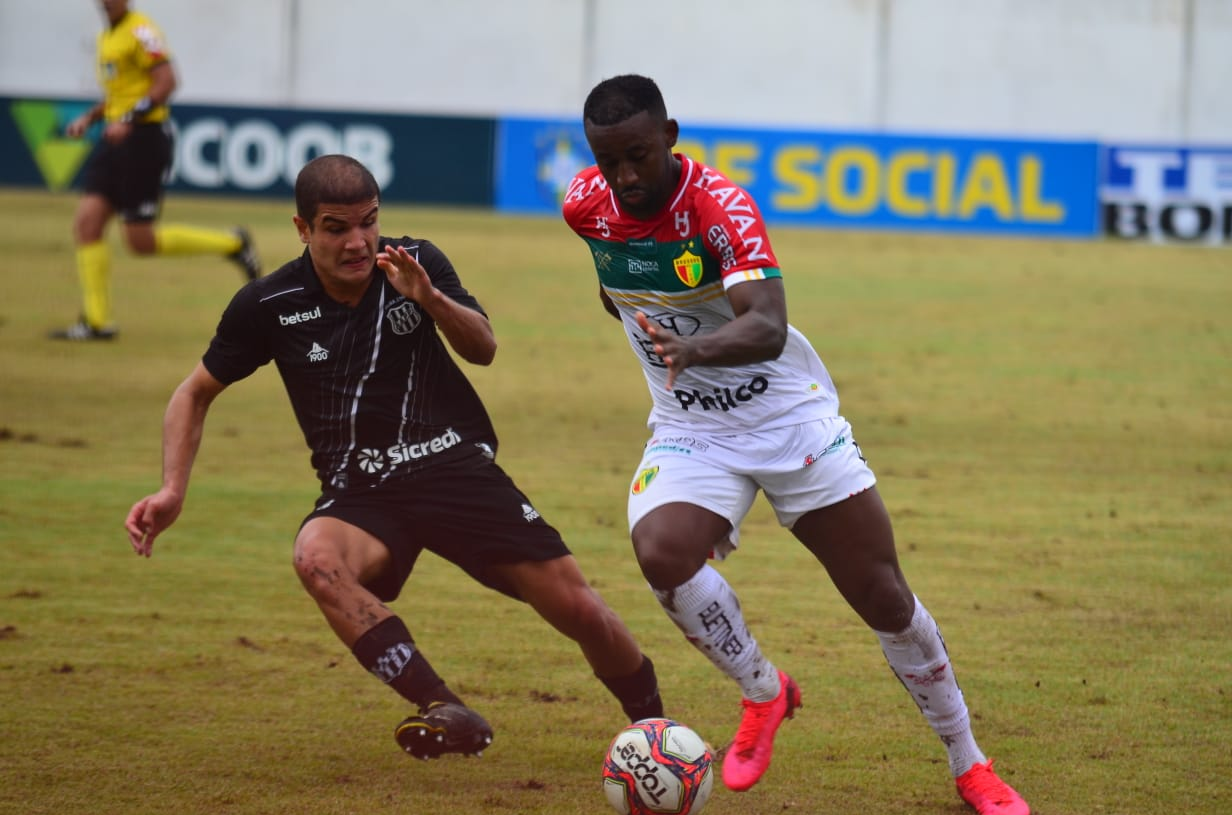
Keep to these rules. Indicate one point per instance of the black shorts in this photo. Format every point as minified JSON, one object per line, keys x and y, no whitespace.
{"x":130,"y":174}
{"x":468,"y":512}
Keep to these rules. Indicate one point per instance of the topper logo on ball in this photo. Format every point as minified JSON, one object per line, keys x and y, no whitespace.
{"x":657,"y":767}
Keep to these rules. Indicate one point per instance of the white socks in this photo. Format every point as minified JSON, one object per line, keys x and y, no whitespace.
{"x":705,"y":608}
{"x":918,"y":657}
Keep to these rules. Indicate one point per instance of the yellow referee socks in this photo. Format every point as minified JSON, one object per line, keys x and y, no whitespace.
{"x":177,"y":239}
{"x":94,"y":272}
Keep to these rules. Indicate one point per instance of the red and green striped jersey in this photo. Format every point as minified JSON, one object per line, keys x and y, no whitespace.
{"x":676,"y":268}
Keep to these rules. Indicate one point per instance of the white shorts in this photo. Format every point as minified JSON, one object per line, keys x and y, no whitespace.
{"x":799,"y":467}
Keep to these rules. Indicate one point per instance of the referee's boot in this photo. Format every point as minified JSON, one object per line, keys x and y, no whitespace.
{"x":81,"y":331}
{"x":246,"y":256}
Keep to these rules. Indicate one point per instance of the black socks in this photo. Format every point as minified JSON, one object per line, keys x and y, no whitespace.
{"x":638,"y":692}
{"x":387,"y":651}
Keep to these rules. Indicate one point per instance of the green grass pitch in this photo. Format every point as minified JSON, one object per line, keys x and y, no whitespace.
{"x":1051,"y":424}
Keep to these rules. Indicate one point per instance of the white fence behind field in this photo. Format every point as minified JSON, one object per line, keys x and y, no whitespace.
{"x":1152,"y":70}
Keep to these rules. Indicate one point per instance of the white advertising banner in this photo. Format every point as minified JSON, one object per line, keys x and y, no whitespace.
{"x":1178,"y":194}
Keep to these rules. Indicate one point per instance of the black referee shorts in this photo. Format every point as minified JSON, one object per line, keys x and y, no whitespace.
{"x":467,"y":511}
{"x":130,"y":174}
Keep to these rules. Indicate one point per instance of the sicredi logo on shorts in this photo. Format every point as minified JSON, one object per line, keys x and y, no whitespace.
{"x":372,"y":460}
{"x":300,"y":317}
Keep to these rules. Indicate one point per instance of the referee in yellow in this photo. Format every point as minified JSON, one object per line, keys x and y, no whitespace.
{"x":125,"y":173}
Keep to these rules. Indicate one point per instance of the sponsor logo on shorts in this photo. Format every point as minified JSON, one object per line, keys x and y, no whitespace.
{"x":642,"y":482}
{"x":685,"y":441}
{"x":317,"y":354}
{"x":529,"y":512}
{"x":299,"y":317}
{"x":838,"y":443}
{"x":723,"y":399}
{"x":373,"y":461}
{"x":685,"y":445}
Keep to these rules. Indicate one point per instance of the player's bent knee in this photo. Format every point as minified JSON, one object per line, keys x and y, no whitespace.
{"x":666,"y":567}
{"x":318,"y":567}
{"x":142,"y":247}
{"x":887,"y":604}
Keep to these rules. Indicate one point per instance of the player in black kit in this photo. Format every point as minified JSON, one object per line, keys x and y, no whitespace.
{"x":403,"y":448}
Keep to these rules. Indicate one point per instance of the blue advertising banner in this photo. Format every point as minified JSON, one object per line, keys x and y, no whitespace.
{"x":1167,"y":193}
{"x":844,"y":179}
{"x":256,"y":151}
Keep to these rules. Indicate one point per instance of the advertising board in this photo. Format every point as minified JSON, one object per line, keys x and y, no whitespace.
{"x":840,"y":179}
{"x":1166,"y":194}
{"x":256,"y":151}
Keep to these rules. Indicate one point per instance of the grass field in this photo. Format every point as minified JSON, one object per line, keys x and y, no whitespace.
{"x":1051,"y":424}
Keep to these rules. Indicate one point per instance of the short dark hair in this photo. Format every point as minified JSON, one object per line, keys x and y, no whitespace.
{"x":616,"y":99}
{"x":333,"y":179}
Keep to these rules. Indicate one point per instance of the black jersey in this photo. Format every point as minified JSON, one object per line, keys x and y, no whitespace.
{"x":376,"y":391}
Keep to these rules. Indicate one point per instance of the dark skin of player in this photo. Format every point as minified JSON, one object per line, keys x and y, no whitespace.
{"x":852,"y":539}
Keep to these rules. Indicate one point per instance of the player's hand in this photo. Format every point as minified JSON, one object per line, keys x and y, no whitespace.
{"x":78,"y":127}
{"x":405,"y":274}
{"x":149,"y":517}
{"x":672,"y":348}
{"x":116,"y":132}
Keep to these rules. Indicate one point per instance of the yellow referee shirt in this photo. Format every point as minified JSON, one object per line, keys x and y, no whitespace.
{"x":126,"y":54}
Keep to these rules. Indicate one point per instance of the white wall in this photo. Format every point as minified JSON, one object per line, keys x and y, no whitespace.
{"x":1066,"y":63}
{"x":1209,"y":116}
{"x":1113,"y":69}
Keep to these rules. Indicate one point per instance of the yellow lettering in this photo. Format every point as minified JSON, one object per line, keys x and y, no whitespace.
{"x":898,"y":195}
{"x":986,"y":186}
{"x":693,"y":149}
{"x":863,"y":166}
{"x":798,"y":169}
{"x":732,"y":159}
{"x":1030,"y":182}
{"x":943,"y":184}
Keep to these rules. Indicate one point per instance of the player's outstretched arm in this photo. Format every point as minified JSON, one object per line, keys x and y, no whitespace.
{"x":183,"y":425}
{"x":78,"y":127}
{"x":467,"y":331}
{"x":149,"y":517}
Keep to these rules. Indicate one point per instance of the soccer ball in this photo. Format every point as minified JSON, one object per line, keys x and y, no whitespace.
{"x":657,"y":767}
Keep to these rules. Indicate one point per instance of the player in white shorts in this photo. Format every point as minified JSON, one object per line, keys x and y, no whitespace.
{"x":799,"y":468}
{"x":741,"y":404}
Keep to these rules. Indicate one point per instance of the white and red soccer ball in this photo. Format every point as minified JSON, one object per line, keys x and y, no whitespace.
{"x":657,"y":767}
